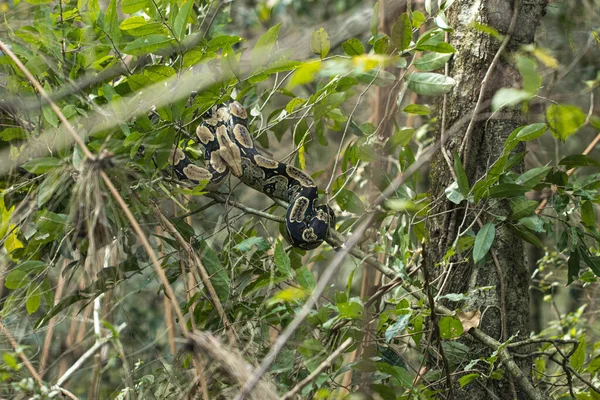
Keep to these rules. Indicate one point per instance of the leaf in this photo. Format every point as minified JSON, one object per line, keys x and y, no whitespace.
{"x":432,"y":61}
{"x":528,"y":69}
{"x":319,"y":43}
{"x":375,"y":20}
{"x":257,"y":242}
{"x":483,"y":241}
{"x":506,"y":97}
{"x":574,"y":265}
{"x":450,"y":328}
{"x":587,"y":214}
{"x":401,"y":35}
{"x":306,"y":278}
{"x":147,"y":44}
{"x":532,"y":177}
{"x":34,"y":298}
{"x":264,"y":45}
{"x":533,"y":222}
{"x":304,"y":74}
{"x":349,"y":201}
{"x":578,"y":357}
{"x":527,"y":235}
{"x":453,"y":194}
{"x":49,"y":186}
{"x":41,"y":165}
{"x":531,"y":132}
{"x":469,"y":319}
{"x":16,"y":279}
{"x":429,"y":83}
{"x":461,"y":176}
{"x":132,"y":6}
{"x":218,"y":275}
{"x":579,"y":160}
{"x":564,"y":120}
{"x":397,"y":327}
{"x":466,"y":379}
{"x":507,"y":190}
{"x":220,"y":42}
{"x":50,"y":116}
{"x":353,"y":47}
{"x":417,"y":19}
{"x":111,"y":22}
{"x":417,"y":109}
{"x":12,"y":133}
{"x":522,"y":208}
{"x":282,"y":260}
{"x":181,"y":20}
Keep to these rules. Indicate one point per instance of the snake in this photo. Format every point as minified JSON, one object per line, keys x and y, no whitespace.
{"x":229,"y":148}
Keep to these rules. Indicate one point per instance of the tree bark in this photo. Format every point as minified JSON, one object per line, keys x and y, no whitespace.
{"x":474,"y":55}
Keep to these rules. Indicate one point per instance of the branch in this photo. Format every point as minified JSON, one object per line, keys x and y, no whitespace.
{"x":317,"y":371}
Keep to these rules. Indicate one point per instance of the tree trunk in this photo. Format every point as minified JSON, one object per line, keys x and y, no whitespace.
{"x":474,"y":55}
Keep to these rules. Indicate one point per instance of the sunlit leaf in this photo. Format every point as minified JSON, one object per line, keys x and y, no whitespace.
{"x":429,"y":83}
{"x":319,"y":42}
{"x":564,"y":120}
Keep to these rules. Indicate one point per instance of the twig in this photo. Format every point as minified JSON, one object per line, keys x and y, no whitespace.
{"x":87,"y":355}
{"x":231,"y":362}
{"x":22,"y":355}
{"x":88,"y":155}
{"x":169,"y":227}
{"x":317,"y":371}
{"x":466,"y":142}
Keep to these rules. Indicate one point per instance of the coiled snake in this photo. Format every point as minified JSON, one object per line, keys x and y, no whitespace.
{"x":229,"y":146}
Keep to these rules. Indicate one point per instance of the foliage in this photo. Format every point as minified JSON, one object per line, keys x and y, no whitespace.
{"x":134,"y":78}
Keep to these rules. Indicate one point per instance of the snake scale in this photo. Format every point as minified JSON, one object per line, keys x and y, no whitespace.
{"x":229,"y":147}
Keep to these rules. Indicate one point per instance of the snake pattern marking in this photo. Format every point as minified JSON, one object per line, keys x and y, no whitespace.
{"x":229,"y":147}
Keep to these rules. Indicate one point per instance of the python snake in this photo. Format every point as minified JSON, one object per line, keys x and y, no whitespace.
{"x":229,"y":147}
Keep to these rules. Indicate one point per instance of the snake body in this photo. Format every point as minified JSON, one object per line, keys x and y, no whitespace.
{"x":229,"y":147}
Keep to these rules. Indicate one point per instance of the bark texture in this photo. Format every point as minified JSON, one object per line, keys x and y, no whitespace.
{"x":475,"y":52}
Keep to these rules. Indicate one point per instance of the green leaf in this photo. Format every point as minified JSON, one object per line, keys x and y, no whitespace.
{"x":578,"y":357}
{"x":34,"y":298}
{"x":591,"y":261}
{"x":375,"y":20}
{"x":319,"y":43}
{"x":522,"y":208}
{"x":454,"y":194}
{"x":147,"y":44}
{"x":41,"y":165}
{"x":461,"y":176}
{"x":450,"y":328}
{"x":532,"y":177}
{"x":401,"y":35}
{"x":527,"y":235}
{"x":534,"y":223}
{"x":483,"y":241}
{"x":574,"y":265}
{"x":531,"y":132}
{"x":257,"y":242}
{"x":306,"y":278}
{"x":49,"y":186}
{"x":182,"y":18}
{"x":397,"y":327}
{"x":528,"y":69}
{"x":349,"y":201}
{"x":12,"y":133}
{"x":282,"y":260}
{"x":432,"y":61}
{"x":507,"y":190}
{"x":111,"y":22}
{"x":218,"y":275}
{"x":466,"y":379}
{"x":564,"y":120}
{"x":579,"y":160}
{"x":381,"y":45}
{"x":50,"y":116}
{"x":417,"y":19}
{"x":16,"y":279}
{"x":506,"y":97}
{"x":417,"y":109}
{"x":587,"y":214}
{"x":132,"y":6}
{"x":353,"y":47}
{"x":264,"y":45}
{"x":429,"y":83}
{"x":220,"y":42}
